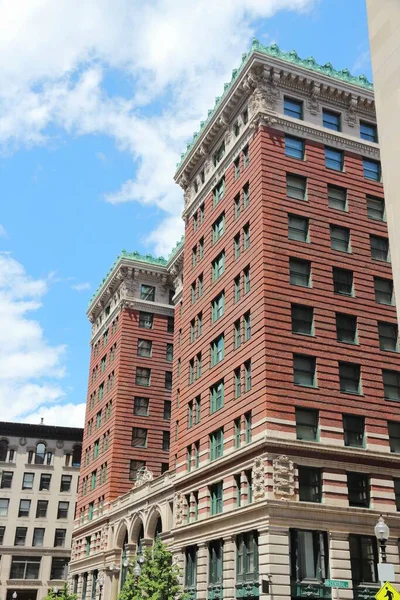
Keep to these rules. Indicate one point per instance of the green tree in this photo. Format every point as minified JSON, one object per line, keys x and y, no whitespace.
{"x":158,"y":579}
{"x":62,"y":594}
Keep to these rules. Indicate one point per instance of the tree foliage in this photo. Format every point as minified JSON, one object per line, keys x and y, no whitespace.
{"x":62,"y":594}
{"x":158,"y":579}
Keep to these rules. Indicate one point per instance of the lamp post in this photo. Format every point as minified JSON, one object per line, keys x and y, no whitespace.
{"x":55,"y":591}
{"x":138,"y":567}
{"x":15,"y":596}
{"x":382,"y":535}
{"x":100,"y":581}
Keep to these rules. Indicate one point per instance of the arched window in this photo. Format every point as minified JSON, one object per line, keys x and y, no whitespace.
{"x":3,"y":450}
{"x":158,"y":530}
{"x":124,"y":560}
{"x":140,"y":540}
{"x":76,"y":456}
{"x":40,"y":453}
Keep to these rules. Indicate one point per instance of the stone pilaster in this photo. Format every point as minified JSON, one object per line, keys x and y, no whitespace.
{"x":202,"y":570}
{"x":392,"y":553}
{"x":274,"y":562}
{"x":229,"y":566}
{"x":114,"y":586}
{"x":339,"y":563}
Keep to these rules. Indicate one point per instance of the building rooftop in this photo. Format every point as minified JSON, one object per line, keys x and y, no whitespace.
{"x":290,"y":57}
{"x":53,"y":432}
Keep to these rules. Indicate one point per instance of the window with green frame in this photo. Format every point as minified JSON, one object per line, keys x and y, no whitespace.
{"x":218,"y":266}
{"x":190,"y":414}
{"x":246,"y":158}
{"x":218,"y":307}
{"x":189,"y":458}
{"x":236,"y":246}
{"x":197,"y":409}
{"x":216,"y":498}
{"x":246,"y":280}
{"x":217,"y":350}
{"x":237,"y":337}
{"x":191,"y":567}
{"x":219,"y":190}
{"x":198,"y":365}
{"x":246,"y":236}
{"x":308,"y":555}
{"x":96,"y":449}
{"x":247,"y":376}
{"x":216,"y":444}
{"x":249,"y":481}
{"x":236,"y":166}
{"x":247,"y":427}
{"x":247,"y":557}
{"x":238,"y":489}
{"x":197,"y":454}
{"x":215,"y":564}
{"x":218,"y":228}
{"x":219,"y":153}
{"x":247,"y":326}
{"x":217,"y":396}
{"x":201,"y":248}
{"x":246,"y":195}
{"x":237,"y":428}
{"x":236,"y":203}
{"x":238,"y":382}
{"x":236,"y":287}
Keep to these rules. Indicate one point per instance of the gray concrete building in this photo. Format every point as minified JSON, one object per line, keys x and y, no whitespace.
{"x":38,"y":488}
{"x":384,"y":34}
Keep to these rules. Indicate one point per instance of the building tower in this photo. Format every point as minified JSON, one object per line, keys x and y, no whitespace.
{"x":285,"y":433}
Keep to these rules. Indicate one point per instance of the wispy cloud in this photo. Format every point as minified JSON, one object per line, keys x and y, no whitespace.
{"x":80,"y":287}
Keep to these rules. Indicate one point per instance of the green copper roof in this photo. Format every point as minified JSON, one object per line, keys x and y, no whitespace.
{"x":136,"y":256}
{"x":290,"y":57}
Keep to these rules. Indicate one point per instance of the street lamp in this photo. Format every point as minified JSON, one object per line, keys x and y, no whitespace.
{"x":55,"y":591}
{"x":138,"y":568}
{"x":382,"y":535}
{"x":100,"y":581}
{"x":15,"y":595}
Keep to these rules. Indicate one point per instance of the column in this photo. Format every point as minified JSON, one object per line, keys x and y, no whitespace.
{"x":114,"y":585}
{"x":339,"y":564}
{"x":274,"y":562}
{"x":392,"y":553}
{"x":202,"y":570}
{"x":229,"y":570}
{"x":178,"y":558}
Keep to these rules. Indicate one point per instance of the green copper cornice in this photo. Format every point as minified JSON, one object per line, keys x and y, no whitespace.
{"x":291,"y":57}
{"x":137,"y":257}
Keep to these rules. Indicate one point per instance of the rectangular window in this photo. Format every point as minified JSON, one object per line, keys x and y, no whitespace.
{"x":306,"y":424}
{"x":394,"y":436}
{"x":294,"y":147}
{"x":247,"y":376}
{"x":219,"y":191}
{"x":368,"y":131}
{"x":199,"y":324}
{"x":293,"y":108}
{"x":308,"y":556}
{"x":4,"y":507}
{"x":217,"y":157}
{"x":342,"y":281}
{"x":2,"y":532}
{"x":296,"y":186}
{"x":170,"y":324}
{"x":168,"y":380}
{"x":6,"y":479}
{"x":218,"y":228}
{"x":59,"y":567}
{"x":331,"y":120}
{"x":201,"y":248}
{"x":246,"y":280}
{"x":346,"y":328}
{"x":217,"y":350}
{"x":167,"y":410}
{"x":310,"y":489}
{"x":166,"y":441}
{"x":247,"y":427}
{"x":38,"y":537}
{"x":27,"y":481}
{"x":143,"y":376}
{"x":340,"y":238}
{"x":215,"y":569}
{"x":216,"y":396}
{"x":218,"y":307}
{"x":62,"y":511}
{"x":363,"y":558}
{"x":236,"y":168}
{"x":372,"y":169}
{"x":236,"y":203}
{"x":144,"y":348}
{"x":169,"y":353}
{"x":141,"y":406}
{"x":66,"y":481}
{"x":246,"y":158}
{"x":334,"y":159}
{"x":247,"y":326}
{"x":304,"y":370}
{"x":147,"y":292}
{"x":298,"y":228}
{"x":246,"y":195}
{"x":197,"y":409}
{"x":337,"y":197}
{"x":218,"y":266}
{"x":24,"y":508}
{"x":247,"y":557}
{"x":216,"y":444}
{"x":350,"y":378}
{"x":41,"y":509}
{"x":237,"y":434}
{"x":59,"y":538}
{"x":45,"y":482}
{"x":190,"y":414}
{"x":300,"y":272}
{"x":391,"y":384}
{"x":238,"y":383}
{"x":379,"y":248}
{"x":376,"y":208}
{"x":236,"y":285}
{"x":236,"y":246}
{"x":194,"y":256}
{"x":216,"y":497}
{"x":139,"y":437}
{"x":134,"y":467}
{"x":246,"y":236}
{"x":354,"y":431}
{"x":25,"y":567}
{"x":358,"y":489}
{"x":383,"y":290}
{"x":146,"y":320}
{"x":388,"y":336}
{"x":190,"y":568}
{"x":189,"y":458}
{"x":302,"y":319}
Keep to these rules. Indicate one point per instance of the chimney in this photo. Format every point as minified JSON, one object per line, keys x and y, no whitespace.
{"x":41,"y":420}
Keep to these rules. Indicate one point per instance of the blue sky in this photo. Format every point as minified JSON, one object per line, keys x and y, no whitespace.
{"x":97,"y":100}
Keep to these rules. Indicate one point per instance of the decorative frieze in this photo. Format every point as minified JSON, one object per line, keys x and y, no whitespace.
{"x":283,"y":478}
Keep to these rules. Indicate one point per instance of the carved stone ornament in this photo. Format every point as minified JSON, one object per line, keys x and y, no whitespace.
{"x":258,"y":479}
{"x":313,"y":101}
{"x":143,"y":476}
{"x":59,"y":444}
{"x":179,"y":508}
{"x":22,"y":441}
{"x":284,"y":486}
{"x":352,"y":111}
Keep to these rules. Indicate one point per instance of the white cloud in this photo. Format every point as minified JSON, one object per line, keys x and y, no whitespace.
{"x":3,"y":232}
{"x":67,"y":415}
{"x":175,"y":53}
{"x":80,"y":287}
{"x":30,"y":367}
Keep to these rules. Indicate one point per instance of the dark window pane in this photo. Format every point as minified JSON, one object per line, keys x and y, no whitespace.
{"x":331,"y":120}
{"x":343,"y":281}
{"x":297,"y":228}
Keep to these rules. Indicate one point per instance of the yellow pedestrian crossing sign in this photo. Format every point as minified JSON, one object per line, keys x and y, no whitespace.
{"x":387,"y":592}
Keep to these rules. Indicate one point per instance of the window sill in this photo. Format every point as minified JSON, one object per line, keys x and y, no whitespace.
{"x":360,"y":394}
{"x":309,"y":387}
{"x":306,"y":334}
